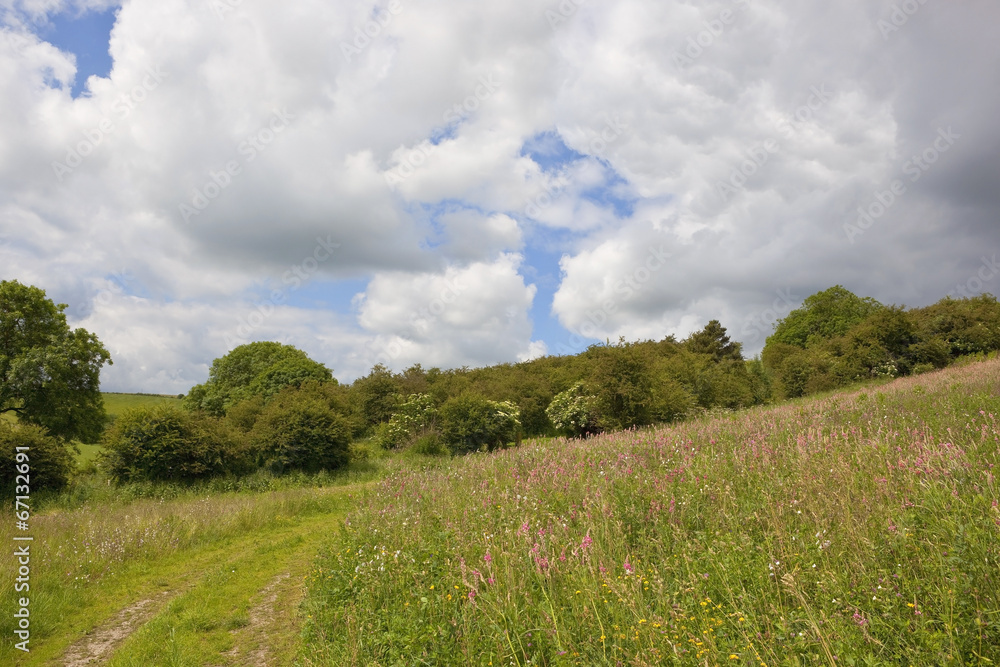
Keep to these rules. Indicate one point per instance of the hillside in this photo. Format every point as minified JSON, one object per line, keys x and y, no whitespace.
{"x":857,"y":528}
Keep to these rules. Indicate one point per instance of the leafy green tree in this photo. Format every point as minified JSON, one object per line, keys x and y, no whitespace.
{"x":471,"y":422}
{"x":822,"y":316}
{"x":378,"y":395}
{"x":713,"y":341}
{"x":624,"y":383}
{"x":255,"y":369}
{"x":48,"y":459}
{"x":963,"y":326}
{"x":49,"y":373}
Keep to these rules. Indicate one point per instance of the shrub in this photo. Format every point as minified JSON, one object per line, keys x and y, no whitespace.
{"x":574,"y":411}
{"x":429,"y":444}
{"x":168,"y":444}
{"x":296,"y":432}
{"x":49,"y":460}
{"x":472,"y":422}
{"x":415,"y":415}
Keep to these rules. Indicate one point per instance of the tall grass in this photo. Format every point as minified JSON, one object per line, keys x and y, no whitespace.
{"x":855,"y":529}
{"x":95,"y":538}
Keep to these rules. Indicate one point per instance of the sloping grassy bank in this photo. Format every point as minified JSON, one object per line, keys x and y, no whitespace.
{"x":856,"y":529}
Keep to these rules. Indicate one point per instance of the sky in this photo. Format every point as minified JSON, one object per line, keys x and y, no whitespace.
{"x":460,"y":184}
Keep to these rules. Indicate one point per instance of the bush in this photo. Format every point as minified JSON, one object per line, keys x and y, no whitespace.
{"x":417,"y":414}
{"x":574,"y":411}
{"x":472,"y":422}
{"x":167,"y":444}
{"x":49,"y":460}
{"x":301,"y":432}
{"x":430,"y":444}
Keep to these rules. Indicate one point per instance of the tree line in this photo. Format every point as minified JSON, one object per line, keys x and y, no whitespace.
{"x":269,"y":406}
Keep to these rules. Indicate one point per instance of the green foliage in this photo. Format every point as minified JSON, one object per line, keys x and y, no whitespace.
{"x":574,"y":411}
{"x":414,"y":416}
{"x":822,"y":316}
{"x":377,"y":396}
{"x":49,"y":461}
{"x":255,"y":369}
{"x":163,"y":443}
{"x":624,"y":385}
{"x":963,"y":326}
{"x":49,"y":374}
{"x":299,"y":431}
{"x":713,"y":341}
{"x":430,"y":444}
{"x":471,"y":422}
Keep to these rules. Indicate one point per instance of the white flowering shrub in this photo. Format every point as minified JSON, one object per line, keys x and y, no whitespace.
{"x":574,"y":411}
{"x":416,"y":415}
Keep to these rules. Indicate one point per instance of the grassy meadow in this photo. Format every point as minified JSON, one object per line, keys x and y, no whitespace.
{"x":858,"y":528}
{"x":115,"y":403}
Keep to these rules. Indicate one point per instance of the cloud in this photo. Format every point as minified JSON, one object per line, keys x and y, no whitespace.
{"x":231,"y":140}
{"x":474,"y":315}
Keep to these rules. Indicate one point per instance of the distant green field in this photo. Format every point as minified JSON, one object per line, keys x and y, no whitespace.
{"x":115,"y":404}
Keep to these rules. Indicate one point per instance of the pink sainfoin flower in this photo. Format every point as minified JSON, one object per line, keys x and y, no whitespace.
{"x":628,"y":568}
{"x":488,"y":558}
{"x":587,"y":541}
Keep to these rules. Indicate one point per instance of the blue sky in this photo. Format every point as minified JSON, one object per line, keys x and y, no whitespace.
{"x":86,"y":36}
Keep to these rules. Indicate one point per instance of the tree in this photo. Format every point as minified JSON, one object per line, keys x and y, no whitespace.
{"x":471,"y":422}
{"x":378,"y":395}
{"x":823,"y":316}
{"x":712,"y":340}
{"x":255,"y":369}
{"x":49,"y":373}
{"x":622,"y":375}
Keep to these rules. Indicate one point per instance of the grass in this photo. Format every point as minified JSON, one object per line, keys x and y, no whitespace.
{"x":859,"y":528}
{"x":92,"y":556}
{"x":115,"y":404}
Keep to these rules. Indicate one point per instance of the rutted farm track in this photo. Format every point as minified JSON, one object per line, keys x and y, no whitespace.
{"x":232,"y":602}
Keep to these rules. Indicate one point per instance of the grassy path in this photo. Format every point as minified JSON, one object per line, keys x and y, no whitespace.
{"x":229,"y":601}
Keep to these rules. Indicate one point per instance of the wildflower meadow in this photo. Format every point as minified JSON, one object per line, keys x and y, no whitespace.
{"x":858,"y":528}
